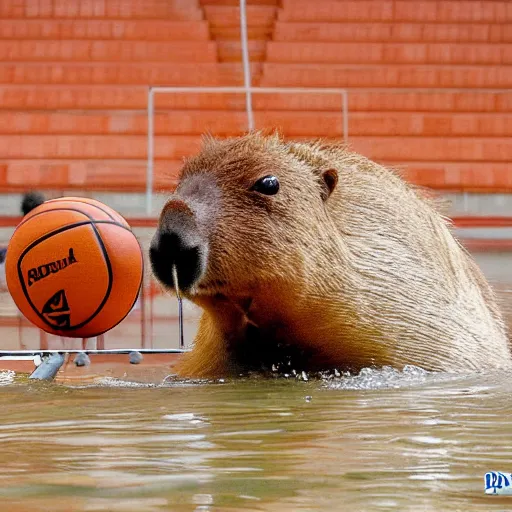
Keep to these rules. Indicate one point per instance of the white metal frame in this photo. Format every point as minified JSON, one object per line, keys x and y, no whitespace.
{"x":247,"y":89}
{"x":246,"y":64}
{"x":226,"y":90}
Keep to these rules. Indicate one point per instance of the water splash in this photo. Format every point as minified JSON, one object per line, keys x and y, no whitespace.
{"x":119,"y":383}
{"x":7,"y":377}
{"x":379,"y":378}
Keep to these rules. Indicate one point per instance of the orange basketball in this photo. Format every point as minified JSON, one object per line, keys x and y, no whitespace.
{"x":73,"y":267}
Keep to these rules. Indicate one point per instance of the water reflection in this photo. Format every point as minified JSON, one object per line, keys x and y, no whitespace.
{"x":421,"y":442}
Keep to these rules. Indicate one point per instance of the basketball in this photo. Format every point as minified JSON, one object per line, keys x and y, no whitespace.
{"x":73,"y":267}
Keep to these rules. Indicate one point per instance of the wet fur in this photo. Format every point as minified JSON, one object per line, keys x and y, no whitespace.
{"x":370,"y":276}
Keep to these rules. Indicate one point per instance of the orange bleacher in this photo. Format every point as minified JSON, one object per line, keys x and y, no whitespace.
{"x":73,"y":88}
{"x":223,"y":17}
{"x":427,"y":85}
{"x":428,"y":81}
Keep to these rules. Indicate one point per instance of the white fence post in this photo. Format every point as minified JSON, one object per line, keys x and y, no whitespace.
{"x":246,"y":64}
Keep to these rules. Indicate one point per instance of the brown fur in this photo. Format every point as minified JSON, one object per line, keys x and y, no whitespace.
{"x":369,"y":274}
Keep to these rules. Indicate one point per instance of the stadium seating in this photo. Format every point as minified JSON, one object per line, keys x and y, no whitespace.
{"x":429,"y":85}
{"x":427,"y":82}
{"x":223,"y":18}
{"x":74,"y":76}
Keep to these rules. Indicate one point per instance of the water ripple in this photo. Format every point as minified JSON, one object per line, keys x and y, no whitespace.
{"x":379,"y":440}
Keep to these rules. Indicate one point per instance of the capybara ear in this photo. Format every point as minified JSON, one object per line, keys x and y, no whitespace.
{"x":329,"y":182}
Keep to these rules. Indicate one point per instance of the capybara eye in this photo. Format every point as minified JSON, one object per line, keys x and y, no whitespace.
{"x":269,"y":185}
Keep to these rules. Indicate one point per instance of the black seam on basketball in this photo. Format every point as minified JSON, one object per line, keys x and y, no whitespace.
{"x":75,"y":224}
{"x":68,"y":210}
{"x":134,"y":302}
{"x":110,"y":276}
{"x":72,"y":210}
{"x":107,"y":262}
{"x":80,"y":200}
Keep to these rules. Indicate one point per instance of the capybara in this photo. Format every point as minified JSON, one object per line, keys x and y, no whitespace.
{"x":312,"y":256}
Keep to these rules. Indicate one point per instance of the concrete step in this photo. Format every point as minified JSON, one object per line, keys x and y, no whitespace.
{"x":386,"y":76}
{"x":116,"y":52}
{"x":392,"y":31}
{"x":438,"y":11}
{"x":231,"y":51}
{"x":228,"y":123}
{"x":176,"y":10}
{"x":99,"y":73}
{"x":393,"y":53}
{"x":126,"y":97}
{"x":175,"y":147}
{"x":125,"y":30}
{"x":229,"y":16}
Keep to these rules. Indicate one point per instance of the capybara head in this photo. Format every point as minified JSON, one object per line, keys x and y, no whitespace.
{"x":244,"y":210}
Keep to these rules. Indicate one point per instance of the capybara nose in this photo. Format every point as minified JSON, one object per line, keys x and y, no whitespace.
{"x":177,"y":242}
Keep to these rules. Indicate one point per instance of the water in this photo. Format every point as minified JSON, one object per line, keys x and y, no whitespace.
{"x":380,"y":441}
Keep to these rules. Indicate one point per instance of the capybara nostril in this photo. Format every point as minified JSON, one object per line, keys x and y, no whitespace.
{"x":167,"y":250}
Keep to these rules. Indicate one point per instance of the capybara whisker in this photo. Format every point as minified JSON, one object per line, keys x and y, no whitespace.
{"x":180,"y":305}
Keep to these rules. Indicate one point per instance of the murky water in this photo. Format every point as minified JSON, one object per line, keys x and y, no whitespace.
{"x":379,"y":441}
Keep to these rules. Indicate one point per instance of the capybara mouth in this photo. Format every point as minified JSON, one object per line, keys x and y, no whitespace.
{"x":166,"y":251}
{"x":205,"y":294}
{"x":214,"y":287}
